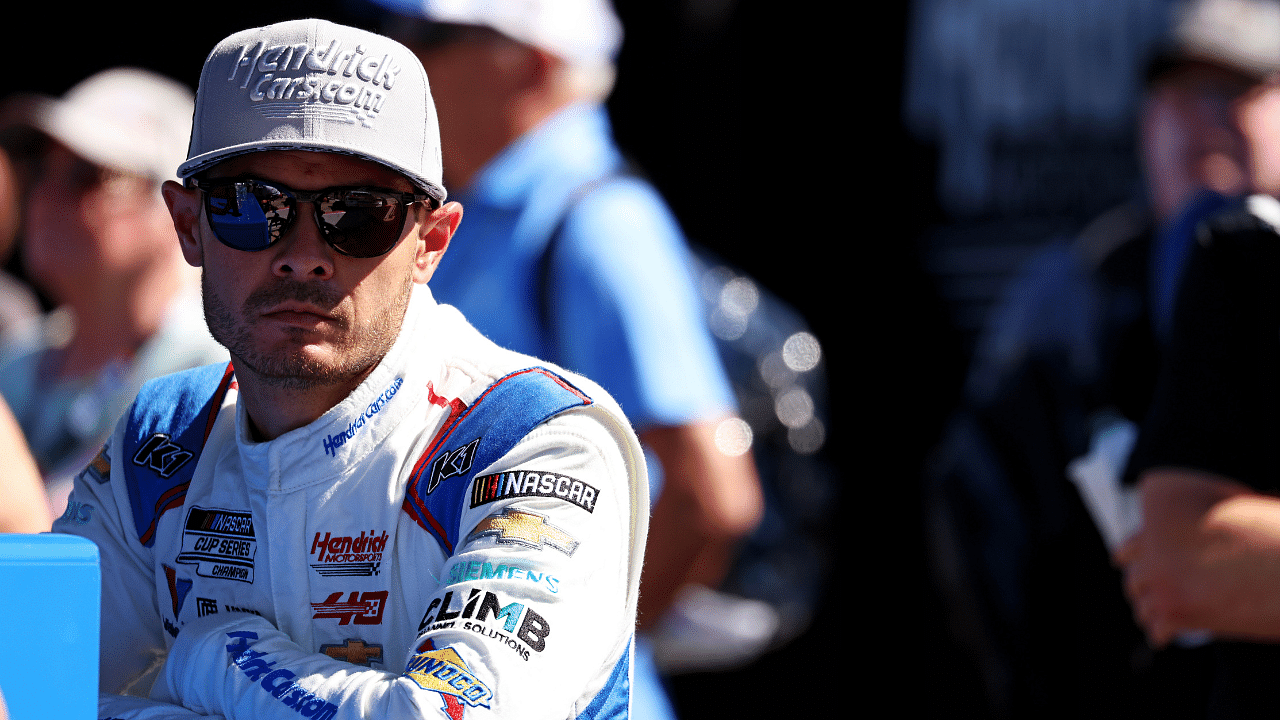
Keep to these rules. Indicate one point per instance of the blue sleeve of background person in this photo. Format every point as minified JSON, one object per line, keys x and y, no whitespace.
{"x":627,"y":311}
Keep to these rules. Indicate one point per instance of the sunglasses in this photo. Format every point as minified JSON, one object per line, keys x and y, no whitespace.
{"x":251,"y":215}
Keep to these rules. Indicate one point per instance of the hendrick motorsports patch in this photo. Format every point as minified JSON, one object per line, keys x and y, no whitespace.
{"x":220,"y":543}
{"x":529,"y":483}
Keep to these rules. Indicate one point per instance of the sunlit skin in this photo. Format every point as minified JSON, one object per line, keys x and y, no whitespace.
{"x":305,"y":324}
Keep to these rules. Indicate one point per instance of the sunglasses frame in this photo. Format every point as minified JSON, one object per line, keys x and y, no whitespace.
{"x":327,"y":231}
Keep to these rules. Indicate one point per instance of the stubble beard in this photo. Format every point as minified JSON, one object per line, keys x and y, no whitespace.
{"x":352,"y":354}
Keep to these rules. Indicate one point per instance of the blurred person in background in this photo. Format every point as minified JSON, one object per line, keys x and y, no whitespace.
{"x":20,"y":309}
{"x":1064,"y":374}
{"x":568,"y":255}
{"x":25,"y":509}
{"x":1206,"y":559}
{"x":97,"y":240}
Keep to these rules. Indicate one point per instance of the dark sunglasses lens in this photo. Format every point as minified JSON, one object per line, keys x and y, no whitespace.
{"x":247,"y":216}
{"x":362,"y":223}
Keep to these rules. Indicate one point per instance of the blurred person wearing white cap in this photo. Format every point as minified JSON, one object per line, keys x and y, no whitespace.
{"x":97,"y":240}
{"x":372,"y":511}
{"x":570,"y":255}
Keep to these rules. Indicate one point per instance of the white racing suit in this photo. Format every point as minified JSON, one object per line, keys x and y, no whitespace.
{"x":461,"y":537}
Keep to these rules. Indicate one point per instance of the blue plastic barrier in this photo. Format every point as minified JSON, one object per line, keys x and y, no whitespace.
{"x":49,"y":612}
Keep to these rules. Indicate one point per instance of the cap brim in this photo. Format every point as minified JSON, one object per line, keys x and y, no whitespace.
{"x":203,"y":162}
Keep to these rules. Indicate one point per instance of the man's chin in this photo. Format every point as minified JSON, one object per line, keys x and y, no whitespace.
{"x":303,"y":369}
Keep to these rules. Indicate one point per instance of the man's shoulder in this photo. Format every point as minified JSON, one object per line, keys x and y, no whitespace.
{"x":166,"y":390}
{"x":473,"y":364}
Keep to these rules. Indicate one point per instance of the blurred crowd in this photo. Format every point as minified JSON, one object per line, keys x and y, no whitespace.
{"x":1099,"y":511}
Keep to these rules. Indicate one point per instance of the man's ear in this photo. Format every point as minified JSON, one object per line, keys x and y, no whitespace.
{"x":184,"y":208}
{"x":434,"y":234}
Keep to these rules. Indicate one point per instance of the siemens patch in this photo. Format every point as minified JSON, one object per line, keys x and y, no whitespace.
{"x":528,"y":483}
{"x":220,"y":543}
{"x":476,"y":570}
{"x":77,"y":512}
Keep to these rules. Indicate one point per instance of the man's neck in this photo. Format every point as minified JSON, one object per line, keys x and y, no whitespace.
{"x":274,"y":410}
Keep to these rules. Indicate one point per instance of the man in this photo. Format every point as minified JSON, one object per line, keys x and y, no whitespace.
{"x":1206,"y":558}
{"x":98,"y":241}
{"x":372,"y":511}
{"x":571,"y":256}
{"x":1063,"y":376}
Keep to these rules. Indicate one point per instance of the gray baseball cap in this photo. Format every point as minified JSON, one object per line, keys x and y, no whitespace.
{"x":318,"y":86}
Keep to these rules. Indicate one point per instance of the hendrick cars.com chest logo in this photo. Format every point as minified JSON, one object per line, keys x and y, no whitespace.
{"x":220,"y":543}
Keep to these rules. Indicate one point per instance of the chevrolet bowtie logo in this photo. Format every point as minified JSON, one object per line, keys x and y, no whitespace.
{"x":354,"y":651}
{"x":524,"y":528}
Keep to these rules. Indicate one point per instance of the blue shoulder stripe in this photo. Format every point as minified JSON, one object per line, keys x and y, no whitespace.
{"x":168,"y":425}
{"x":613,"y":702}
{"x":475,"y":437}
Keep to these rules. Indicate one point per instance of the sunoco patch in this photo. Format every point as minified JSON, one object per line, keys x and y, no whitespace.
{"x":443,"y":671}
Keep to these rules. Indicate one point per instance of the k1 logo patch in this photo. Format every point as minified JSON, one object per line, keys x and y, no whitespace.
{"x":452,"y":464}
{"x":162,"y":455}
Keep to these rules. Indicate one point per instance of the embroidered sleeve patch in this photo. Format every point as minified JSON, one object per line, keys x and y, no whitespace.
{"x":524,"y":528}
{"x":443,"y":671}
{"x":530,"y":483}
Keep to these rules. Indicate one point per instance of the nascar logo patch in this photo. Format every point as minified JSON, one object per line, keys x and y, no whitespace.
{"x":527,"y":483}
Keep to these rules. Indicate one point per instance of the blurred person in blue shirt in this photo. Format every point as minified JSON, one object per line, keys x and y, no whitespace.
{"x":568,"y":255}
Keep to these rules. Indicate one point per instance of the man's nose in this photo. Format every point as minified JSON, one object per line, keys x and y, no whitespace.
{"x":303,"y":254}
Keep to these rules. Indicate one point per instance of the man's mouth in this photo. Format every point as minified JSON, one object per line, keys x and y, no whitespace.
{"x":294,"y":303}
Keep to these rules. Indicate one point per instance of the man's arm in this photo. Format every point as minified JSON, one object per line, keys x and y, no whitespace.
{"x":1206,"y":558}
{"x":25,"y":508}
{"x":709,"y":501}
{"x":627,"y":314}
{"x":494,"y":641}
